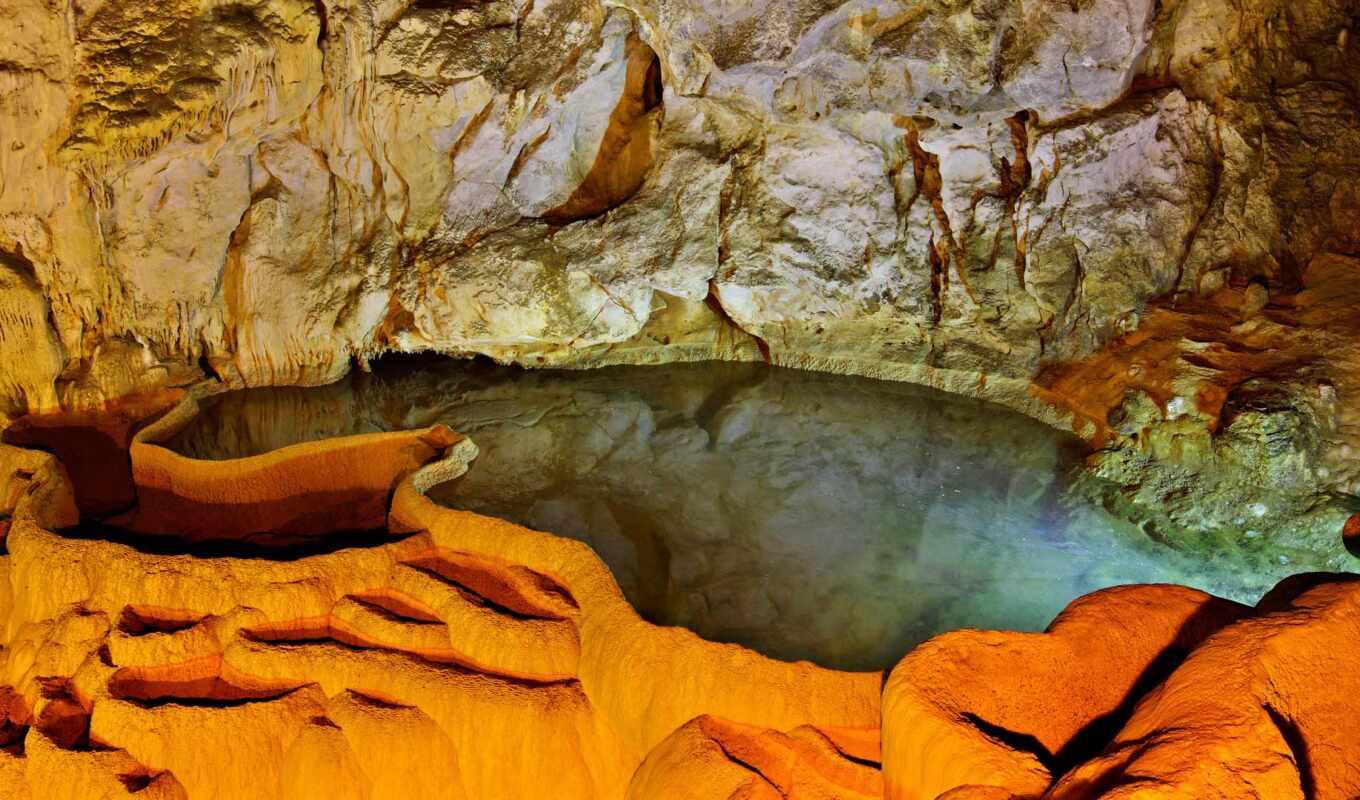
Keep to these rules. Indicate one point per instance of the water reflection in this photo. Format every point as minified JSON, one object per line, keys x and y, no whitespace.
{"x":812,"y":516}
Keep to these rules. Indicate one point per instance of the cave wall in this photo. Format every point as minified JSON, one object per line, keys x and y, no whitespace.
{"x":955,"y":193}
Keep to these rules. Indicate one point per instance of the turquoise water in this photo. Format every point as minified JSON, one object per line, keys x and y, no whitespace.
{"x":836,"y":519}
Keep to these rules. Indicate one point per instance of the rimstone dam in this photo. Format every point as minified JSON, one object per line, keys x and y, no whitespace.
{"x":680,"y":399}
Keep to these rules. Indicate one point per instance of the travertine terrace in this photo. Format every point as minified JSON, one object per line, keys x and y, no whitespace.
{"x":471,"y":657}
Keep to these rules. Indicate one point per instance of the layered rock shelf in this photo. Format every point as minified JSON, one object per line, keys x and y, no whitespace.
{"x":455,"y":655}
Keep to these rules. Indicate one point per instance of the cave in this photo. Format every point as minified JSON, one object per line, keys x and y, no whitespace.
{"x":783,"y":399}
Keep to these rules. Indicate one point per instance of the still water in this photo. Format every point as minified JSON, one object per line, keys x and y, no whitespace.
{"x":804,"y":515}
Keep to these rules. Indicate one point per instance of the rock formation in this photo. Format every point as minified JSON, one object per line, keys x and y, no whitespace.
{"x":1137,"y":220}
{"x":979,"y":709}
{"x":1259,"y":707}
{"x":129,"y":664}
{"x":802,"y":514}
{"x":345,"y":482}
{"x":1254,"y":712}
{"x":928,"y":190}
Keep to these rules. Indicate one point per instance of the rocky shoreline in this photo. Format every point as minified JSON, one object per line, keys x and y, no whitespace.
{"x":503,"y":661}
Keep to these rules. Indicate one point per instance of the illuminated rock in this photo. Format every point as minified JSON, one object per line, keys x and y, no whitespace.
{"x":1263,"y":709}
{"x":307,"y":490}
{"x":92,"y":445}
{"x":459,"y":656}
{"x":1350,"y":533}
{"x":981,"y":713}
{"x":714,"y":759}
{"x":1001,"y":199}
{"x":35,"y":485}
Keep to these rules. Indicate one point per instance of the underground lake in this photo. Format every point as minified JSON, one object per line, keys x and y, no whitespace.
{"x":804,"y":515}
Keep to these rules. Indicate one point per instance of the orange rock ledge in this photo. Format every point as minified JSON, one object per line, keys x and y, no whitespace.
{"x":460,"y":656}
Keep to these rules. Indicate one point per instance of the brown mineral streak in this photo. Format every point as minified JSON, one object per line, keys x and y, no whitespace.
{"x":627,"y":149}
{"x":1210,"y":339}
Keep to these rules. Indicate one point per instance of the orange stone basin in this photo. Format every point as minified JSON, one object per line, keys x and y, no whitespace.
{"x":304,"y":491}
{"x":93,"y":446}
{"x":463,"y":656}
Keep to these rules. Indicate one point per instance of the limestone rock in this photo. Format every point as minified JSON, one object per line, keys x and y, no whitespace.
{"x":1061,"y":206}
{"x":1110,"y":223}
{"x":93,"y":446}
{"x":711,"y":758}
{"x":956,"y":194}
{"x":28,"y":346}
{"x":1202,"y":449}
{"x":471,"y":657}
{"x":34,"y":485}
{"x":1350,"y":532}
{"x":1253,"y":704}
{"x":308,"y":490}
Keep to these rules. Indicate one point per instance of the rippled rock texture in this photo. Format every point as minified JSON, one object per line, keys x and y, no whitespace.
{"x":444,"y":655}
{"x":1138,"y":219}
{"x":1161,"y":693}
{"x":1003,"y":199}
{"x":454,"y":655}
